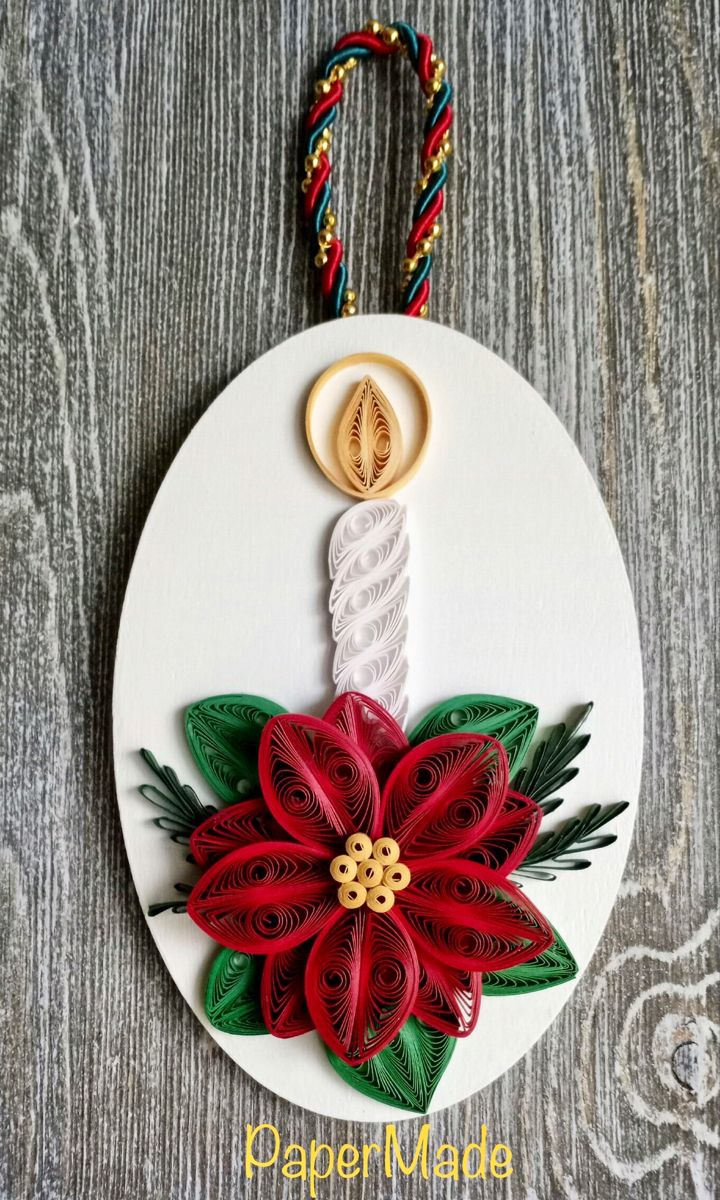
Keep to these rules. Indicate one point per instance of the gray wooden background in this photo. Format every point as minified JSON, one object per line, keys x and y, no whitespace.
{"x":150,"y":247}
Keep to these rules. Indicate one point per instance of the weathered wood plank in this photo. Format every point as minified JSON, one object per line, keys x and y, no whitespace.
{"x":150,"y":247}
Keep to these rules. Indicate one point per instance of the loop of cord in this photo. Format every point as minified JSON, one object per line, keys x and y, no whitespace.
{"x":397,"y":38}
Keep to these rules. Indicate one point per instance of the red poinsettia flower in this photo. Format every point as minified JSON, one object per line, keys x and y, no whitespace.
{"x":354,"y":960}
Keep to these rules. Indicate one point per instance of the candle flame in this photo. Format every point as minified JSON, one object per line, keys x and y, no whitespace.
{"x":369,"y":441}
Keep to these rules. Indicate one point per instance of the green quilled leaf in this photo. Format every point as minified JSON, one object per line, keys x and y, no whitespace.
{"x":549,"y":768}
{"x":176,"y":906}
{"x":406,"y":1073}
{"x":224,"y":734}
{"x":556,"y":849}
{"x":232,"y":995}
{"x":550,"y":968}
{"x":182,"y":810}
{"x":512,"y":722}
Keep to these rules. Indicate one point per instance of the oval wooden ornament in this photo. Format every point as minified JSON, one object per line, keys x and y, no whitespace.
{"x":517,"y":587}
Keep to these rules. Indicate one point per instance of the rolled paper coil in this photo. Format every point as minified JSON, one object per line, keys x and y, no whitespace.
{"x":397,"y":877}
{"x":359,"y":847}
{"x":343,"y":868}
{"x":370,"y":873}
{"x":380,"y":899}
{"x":352,"y":895}
{"x":386,"y":851}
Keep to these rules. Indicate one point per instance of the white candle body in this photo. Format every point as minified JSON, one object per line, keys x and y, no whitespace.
{"x":368,"y":601}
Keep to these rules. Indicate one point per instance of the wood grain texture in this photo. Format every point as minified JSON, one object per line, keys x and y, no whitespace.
{"x":150,"y":248}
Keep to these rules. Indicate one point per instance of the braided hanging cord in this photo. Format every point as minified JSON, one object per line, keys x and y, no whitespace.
{"x":397,"y":38}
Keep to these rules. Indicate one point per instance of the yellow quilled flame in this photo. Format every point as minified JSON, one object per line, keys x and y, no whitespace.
{"x":369,"y":441}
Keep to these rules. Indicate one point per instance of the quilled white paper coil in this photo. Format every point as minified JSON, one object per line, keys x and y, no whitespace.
{"x":368,"y":601}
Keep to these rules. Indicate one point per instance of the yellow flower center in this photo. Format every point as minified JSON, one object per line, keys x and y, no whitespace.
{"x":369,"y":873}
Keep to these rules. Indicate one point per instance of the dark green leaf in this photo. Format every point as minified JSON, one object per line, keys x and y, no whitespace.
{"x":232,"y":995}
{"x":549,"y":770}
{"x":175,"y":906}
{"x":182,"y":809}
{"x":549,"y":806}
{"x":550,"y":968}
{"x":224,"y":734}
{"x":407,"y":1072}
{"x":511,"y":722}
{"x":554,"y":851}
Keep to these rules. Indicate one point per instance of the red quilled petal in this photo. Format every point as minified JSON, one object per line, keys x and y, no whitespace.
{"x":470,"y":917}
{"x":448,"y":999}
{"x":263,"y":900}
{"x":444,"y":794}
{"x":361,"y":982}
{"x":243,"y":824}
{"x":371,"y":727}
{"x":512,"y":835}
{"x":317,"y":784}
{"x":282,"y":993}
